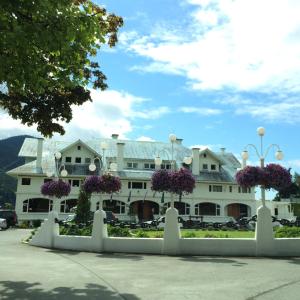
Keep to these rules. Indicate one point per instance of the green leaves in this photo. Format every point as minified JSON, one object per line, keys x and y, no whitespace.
{"x":45,"y":51}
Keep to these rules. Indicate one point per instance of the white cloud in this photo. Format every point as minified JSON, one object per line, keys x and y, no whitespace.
{"x":243,"y":44}
{"x":110,"y":112}
{"x":145,"y":139}
{"x":203,"y":111}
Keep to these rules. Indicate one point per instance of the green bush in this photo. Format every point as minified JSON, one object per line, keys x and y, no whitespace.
{"x":36,"y":223}
{"x":158,"y":235}
{"x":24,"y":225}
{"x":287,"y":232}
{"x":189,"y":234}
{"x":118,"y":231}
{"x":76,"y":230}
{"x":141,"y":234}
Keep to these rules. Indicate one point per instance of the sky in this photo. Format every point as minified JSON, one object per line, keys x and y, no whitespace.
{"x":209,"y":71}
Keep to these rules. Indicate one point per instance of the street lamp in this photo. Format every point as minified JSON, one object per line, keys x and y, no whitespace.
{"x":158,"y":161}
{"x":262,"y":156}
{"x":59,"y":170}
{"x":92,"y":166}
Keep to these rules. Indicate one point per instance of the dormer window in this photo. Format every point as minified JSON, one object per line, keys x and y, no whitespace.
{"x":149,"y":166}
{"x":132,"y":165}
{"x":78,"y":147}
{"x":204,"y":155}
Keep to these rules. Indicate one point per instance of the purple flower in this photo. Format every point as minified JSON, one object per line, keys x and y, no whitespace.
{"x":276,"y":177}
{"x":92,"y":184}
{"x":182,"y":182}
{"x":102,"y":184}
{"x":249,"y":176}
{"x":272,"y":176}
{"x":161,"y":181}
{"x":177,"y":182}
{"x":56,"y":188}
{"x":110,"y":184}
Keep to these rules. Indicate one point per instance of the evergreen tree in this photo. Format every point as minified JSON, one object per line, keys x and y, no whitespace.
{"x":83,"y":213}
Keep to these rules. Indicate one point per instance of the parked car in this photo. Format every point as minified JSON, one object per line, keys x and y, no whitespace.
{"x":3,"y":224}
{"x":10,"y":216}
{"x":161,"y":222}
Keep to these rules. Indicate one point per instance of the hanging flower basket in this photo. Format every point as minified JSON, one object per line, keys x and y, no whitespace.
{"x":110,"y":184}
{"x":182,"y":182}
{"x":178,"y":182}
{"x":277,"y":177}
{"x":272,"y":176}
{"x":106,"y":183}
{"x":250,"y":176}
{"x":161,"y":181}
{"x":56,"y":188}
{"x":92,"y":184}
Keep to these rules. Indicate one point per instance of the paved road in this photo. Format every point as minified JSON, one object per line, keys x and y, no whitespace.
{"x":28,"y":272}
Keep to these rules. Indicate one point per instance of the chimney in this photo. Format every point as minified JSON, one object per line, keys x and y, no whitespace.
{"x":120,"y":156}
{"x":179,"y":141}
{"x":114,"y":136}
{"x":222,"y":150}
{"x":39,"y":154}
{"x":196,"y":161}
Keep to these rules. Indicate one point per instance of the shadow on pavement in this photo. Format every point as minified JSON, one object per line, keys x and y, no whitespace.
{"x":17,"y":290}
{"x":122,"y":256}
{"x":217,"y":260}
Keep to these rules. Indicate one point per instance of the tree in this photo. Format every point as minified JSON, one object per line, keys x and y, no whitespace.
{"x":46,"y":51}
{"x":291,"y":191}
{"x":83,"y":213}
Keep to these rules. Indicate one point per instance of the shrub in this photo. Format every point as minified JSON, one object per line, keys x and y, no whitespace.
{"x":36,"y":223}
{"x":24,"y":225}
{"x":287,"y":232}
{"x":142,"y":234}
{"x":189,"y":234}
{"x":118,"y":231}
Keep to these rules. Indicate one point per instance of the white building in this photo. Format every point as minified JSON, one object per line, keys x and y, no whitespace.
{"x":215,"y":197}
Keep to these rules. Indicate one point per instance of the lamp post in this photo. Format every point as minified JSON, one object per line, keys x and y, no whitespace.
{"x":103,"y":166}
{"x":158,"y":161}
{"x":59,"y":170}
{"x":262,"y":156}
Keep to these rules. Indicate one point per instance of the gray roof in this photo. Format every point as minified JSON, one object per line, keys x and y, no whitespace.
{"x":133,"y":150}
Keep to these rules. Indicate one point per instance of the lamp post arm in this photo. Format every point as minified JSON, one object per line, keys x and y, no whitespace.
{"x":271,"y":146}
{"x":254,"y":147}
{"x":100,"y":162}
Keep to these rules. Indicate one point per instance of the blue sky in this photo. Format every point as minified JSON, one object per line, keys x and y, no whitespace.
{"x":209,"y":71}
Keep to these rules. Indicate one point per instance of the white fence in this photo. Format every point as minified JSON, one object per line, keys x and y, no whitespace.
{"x":172,"y":244}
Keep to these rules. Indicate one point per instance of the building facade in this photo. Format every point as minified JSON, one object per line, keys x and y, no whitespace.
{"x":217,"y":197}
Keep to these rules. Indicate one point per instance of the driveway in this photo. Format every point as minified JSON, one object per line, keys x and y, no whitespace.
{"x":28,"y":272}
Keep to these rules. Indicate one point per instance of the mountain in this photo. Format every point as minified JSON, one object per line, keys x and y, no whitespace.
{"x":9,"y":149}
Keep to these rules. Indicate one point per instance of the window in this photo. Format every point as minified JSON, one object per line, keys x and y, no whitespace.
{"x":78,"y":160}
{"x":26,"y":181}
{"x":78,"y":147}
{"x":213,"y":167}
{"x":132,"y":165}
{"x":205,"y":167}
{"x":230,"y":189}
{"x":276,"y":211}
{"x":204,"y":155}
{"x":166,"y":166}
{"x":47,"y":180}
{"x":244,"y":190}
{"x":149,"y":166}
{"x":87,"y":160}
{"x":216,"y":188}
{"x":137,"y":185}
{"x":68,"y":159}
{"x":117,"y":207}
{"x":207,"y":209}
{"x":75,"y":182}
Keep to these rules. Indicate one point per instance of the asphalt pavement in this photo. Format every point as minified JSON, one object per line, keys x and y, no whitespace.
{"x":28,"y":272}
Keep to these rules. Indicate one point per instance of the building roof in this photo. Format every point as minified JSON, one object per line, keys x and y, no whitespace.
{"x":133,"y":150}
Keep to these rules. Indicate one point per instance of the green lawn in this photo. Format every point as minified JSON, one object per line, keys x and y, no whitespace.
{"x":190,"y":233}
